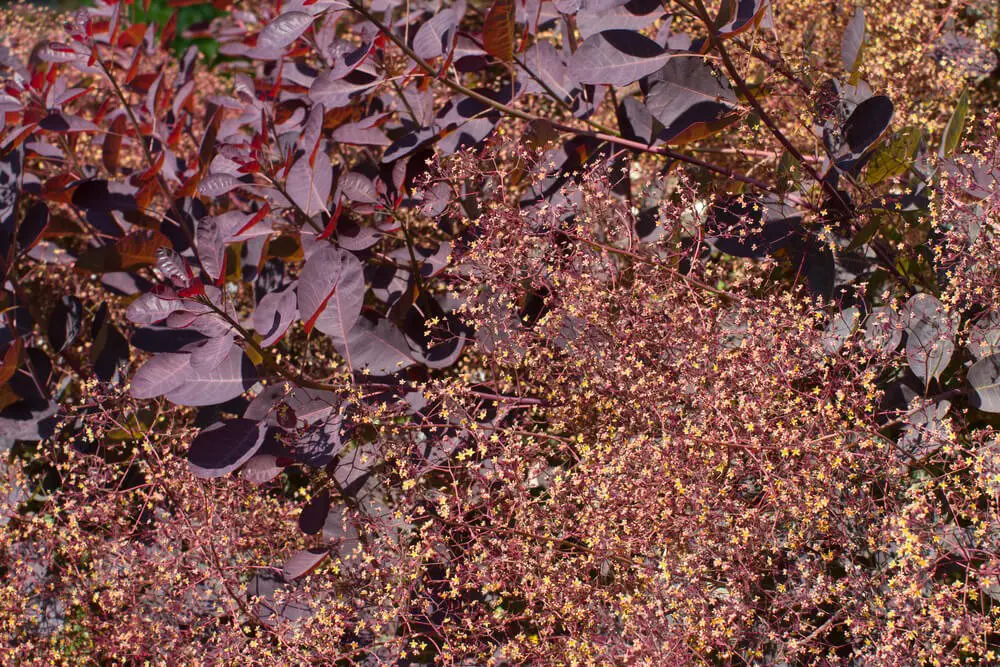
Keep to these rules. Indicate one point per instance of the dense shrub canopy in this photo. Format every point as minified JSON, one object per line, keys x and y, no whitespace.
{"x":502,"y":332}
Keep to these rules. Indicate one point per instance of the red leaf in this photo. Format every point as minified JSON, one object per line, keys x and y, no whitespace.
{"x":111,"y":151}
{"x":498,"y":30}
{"x":265,"y":209}
{"x":169,"y":31}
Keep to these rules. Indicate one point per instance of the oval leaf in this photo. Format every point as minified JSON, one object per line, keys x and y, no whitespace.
{"x":616,"y":58}
{"x":854,"y":37}
{"x":498,"y":30}
{"x":309,"y":184}
{"x":222,"y":448}
{"x":930,"y":336}
{"x":161,"y":374}
{"x":225,"y":382}
{"x":303,"y":562}
{"x":984,"y":376}
{"x":64,"y":324}
{"x":284,"y":30}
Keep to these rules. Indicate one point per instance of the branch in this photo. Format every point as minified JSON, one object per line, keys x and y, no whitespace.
{"x":602,"y":133}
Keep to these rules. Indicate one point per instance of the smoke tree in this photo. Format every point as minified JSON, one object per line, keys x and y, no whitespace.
{"x":501,"y":332}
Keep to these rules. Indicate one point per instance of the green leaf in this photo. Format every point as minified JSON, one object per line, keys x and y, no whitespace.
{"x":787,"y":173}
{"x":956,"y":125}
{"x":894,"y":157}
{"x":866,"y":233}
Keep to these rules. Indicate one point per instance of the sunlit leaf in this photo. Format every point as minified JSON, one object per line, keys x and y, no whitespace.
{"x":284,"y":30}
{"x":617,"y":58}
{"x":930,"y":336}
{"x":853,"y":42}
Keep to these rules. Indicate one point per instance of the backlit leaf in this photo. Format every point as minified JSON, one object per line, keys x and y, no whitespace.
{"x":498,"y":30}
{"x":895,"y":157}
{"x":138,"y":248}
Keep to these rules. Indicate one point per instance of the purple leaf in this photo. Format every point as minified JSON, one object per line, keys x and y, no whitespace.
{"x":308,"y":405}
{"x":207,"y":354}
{"x":312,"y":130}
{"x":854,"y":37}
{"x":224,"y":447}
{"x":745,"y":14}
{"x":542,"y":60}
{"x":867,"y":123}
{"x":284,"y":30}
{"x":274,"y":314}
{"x":54,"y":52}
{"x":378,"y":347}
{"x":430,"y":261}
{"x":333,"y":92}
{"x":434,"y":37}
{"x":63,"y":123}
{"x":150,"y":308}
{"x":321,"y":440}
{"x":686,"y":92}
{"x":617,"y":58}
{"x":314,"y":513}
{"x":35,"y":220}
{"x":331,"y":291}
{"x":435,"y":200}
{"x":228,"y":380}
{"x":11,"y":166}
{"x":64,"y":323}
{"x":309,"y":185}
{"x":346,"y":57}
{"x":635,"y":121}
{"x":160,"y":375}
{"x":216,"y":185}
{"x":351,"y":236}
{"x":635,"y":15}
{"x":211,"y":251}
{"x":363,"y":133}
{"x":358,"y":188}
{"x":303,"y":562}
{"x":261,"y":468}
{"x":930,"y":336}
